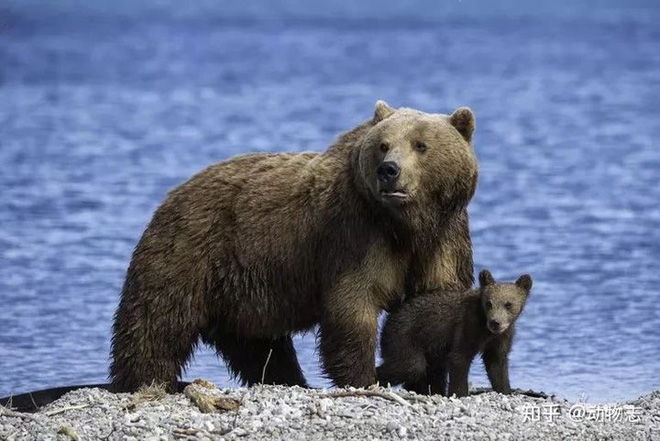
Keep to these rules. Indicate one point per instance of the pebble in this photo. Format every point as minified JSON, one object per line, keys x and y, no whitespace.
{"x":391,"y":426}
{"x":239,"y":431}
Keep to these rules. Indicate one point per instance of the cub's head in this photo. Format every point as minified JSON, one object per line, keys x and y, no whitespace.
{"x":503,"y":302}
{"x":410,"y":157}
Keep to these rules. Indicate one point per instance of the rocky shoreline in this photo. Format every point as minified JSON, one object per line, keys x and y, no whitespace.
{"x":204,"y":412}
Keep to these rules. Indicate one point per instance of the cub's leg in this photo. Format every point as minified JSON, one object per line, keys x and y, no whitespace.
{"x":404,"y":367}
{"x":248,"y":359}
{"x":459,"y":368}
{"x":437,"y":375}
{"x":496,"y":362}
{"x":418,"y":385}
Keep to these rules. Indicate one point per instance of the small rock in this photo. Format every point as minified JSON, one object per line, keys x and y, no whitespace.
{"x":325,"y":404}
{"x":239,"y":431}
{"x":311,"y":406}
{"x":131,"y":418}
{"x":391,"y":426}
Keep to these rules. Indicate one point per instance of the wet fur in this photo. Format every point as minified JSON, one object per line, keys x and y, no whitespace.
{"x":262,"y":246}
{"x":435,"y":337}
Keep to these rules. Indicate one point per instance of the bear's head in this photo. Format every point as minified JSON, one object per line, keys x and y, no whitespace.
{"x":503,"y":302}
{"x":411,"y":158}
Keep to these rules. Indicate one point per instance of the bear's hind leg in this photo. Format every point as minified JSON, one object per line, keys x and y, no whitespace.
{"x":150,"y":344}
{"x":248,"y":359}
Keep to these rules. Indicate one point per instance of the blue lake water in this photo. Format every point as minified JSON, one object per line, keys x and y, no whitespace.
{"x":99,"y":118}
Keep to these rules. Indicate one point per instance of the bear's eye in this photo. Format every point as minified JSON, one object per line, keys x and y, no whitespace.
{"x":508,"y":306}
{"x":420,"y":146}
{"x":384,"y":147}
{"x":489,"y":304}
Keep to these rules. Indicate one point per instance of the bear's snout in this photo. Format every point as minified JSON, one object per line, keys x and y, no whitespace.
{"x":388,"y":172}
{"x":496,"y":327}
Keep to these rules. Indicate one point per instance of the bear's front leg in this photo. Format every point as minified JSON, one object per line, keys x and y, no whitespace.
{"x":451,"y":266}
{"x":348,"y":343}
{"x":496,"y":362}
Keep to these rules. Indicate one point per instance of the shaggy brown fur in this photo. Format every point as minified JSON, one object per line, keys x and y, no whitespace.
{"x":261,"y":246}
{"x":439,"y":334}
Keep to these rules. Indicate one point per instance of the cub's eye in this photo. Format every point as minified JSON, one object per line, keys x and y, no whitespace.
{"x":384,"y":147}
{"x":508,"y":306}
{"x":420,"y":146}
{"x":489,"y":304}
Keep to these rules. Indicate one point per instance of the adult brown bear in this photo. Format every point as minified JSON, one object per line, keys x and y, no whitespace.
{"x":256,"y":248}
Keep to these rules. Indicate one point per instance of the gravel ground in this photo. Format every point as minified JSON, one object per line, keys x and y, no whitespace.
{"x":292,"y":413}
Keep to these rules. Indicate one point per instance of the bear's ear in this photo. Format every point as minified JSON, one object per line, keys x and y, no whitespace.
{"x":525,"y":282}
{"x":486,"y":278}
{"x":463,"y":121}
{"x":383,"y":110}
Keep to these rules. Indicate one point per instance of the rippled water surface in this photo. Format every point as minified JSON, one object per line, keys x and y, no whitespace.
{"x":99,"y":119}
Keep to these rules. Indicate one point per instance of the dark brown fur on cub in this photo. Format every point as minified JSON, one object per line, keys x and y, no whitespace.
{"x":261,"y":246}
{"x":438,"y":334}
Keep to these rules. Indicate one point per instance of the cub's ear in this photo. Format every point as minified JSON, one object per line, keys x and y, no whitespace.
{"x":525,"y":282}
{"x":486,"y":278}
{"x":463,"y":121}
{"x":383,"y":110}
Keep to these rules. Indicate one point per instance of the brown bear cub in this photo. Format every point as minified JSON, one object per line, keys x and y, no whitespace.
{"x":436,"y":335}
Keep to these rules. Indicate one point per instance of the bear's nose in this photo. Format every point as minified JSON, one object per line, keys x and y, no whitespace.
{"x":494,"y":325}
{"x":388,"y":171}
